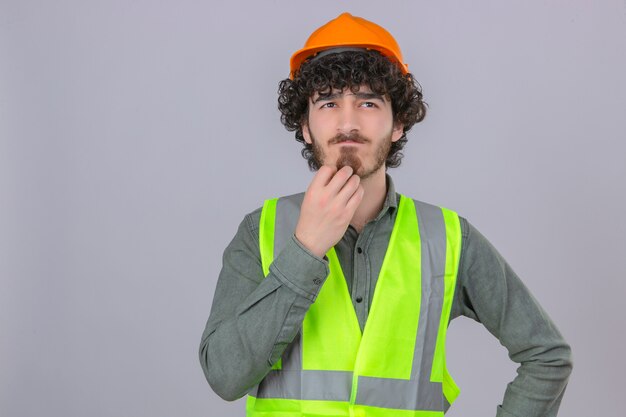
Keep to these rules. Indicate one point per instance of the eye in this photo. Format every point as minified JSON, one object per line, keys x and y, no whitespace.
{"x":330,"y":104}
{"x":369,"y":104}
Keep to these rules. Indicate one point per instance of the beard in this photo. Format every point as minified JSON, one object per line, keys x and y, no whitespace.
{"x":348,"y":154}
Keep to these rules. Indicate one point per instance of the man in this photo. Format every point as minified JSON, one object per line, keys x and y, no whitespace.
{"x":336,"y":302}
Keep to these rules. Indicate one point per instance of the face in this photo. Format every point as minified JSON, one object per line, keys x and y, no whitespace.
{"x":353,"y":129}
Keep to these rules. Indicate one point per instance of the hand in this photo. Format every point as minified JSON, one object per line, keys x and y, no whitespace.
{"x":328,"y":206}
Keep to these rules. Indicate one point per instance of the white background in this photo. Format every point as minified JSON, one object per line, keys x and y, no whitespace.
{"x":134,"y":136}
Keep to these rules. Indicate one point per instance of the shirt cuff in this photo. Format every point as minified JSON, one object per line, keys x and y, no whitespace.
{"x":300,"y":270}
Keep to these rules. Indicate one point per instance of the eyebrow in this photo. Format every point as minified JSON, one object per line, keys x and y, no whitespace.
{"x":358,"y":94}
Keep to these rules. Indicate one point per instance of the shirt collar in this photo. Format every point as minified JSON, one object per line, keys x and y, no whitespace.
{"x":391,"y":199}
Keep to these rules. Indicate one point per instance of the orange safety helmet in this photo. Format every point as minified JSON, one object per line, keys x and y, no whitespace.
{"x":349,"y":31}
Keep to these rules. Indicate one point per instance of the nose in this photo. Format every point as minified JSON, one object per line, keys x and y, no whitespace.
{"x":348,"y":120}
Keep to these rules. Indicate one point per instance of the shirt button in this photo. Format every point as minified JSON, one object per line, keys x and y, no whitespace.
{"x":359,"y":299}
{"x":359,"y":250}
{"x":317,"y":281}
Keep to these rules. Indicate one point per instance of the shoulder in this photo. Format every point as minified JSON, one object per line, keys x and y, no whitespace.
{"x":433,"y":208}
{"x":253,"y":218}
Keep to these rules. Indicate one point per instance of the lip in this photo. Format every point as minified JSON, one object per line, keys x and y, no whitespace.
{"x":349,"y":142}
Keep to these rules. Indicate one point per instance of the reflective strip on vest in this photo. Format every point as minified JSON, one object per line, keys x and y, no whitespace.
{"x":399,"y":369}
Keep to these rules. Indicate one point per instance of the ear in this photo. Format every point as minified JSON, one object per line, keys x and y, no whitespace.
{"x":306,"y":132}
{"x":397,"y":132}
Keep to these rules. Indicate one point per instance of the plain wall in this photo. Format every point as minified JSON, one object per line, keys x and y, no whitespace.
{"x":135,"y":135}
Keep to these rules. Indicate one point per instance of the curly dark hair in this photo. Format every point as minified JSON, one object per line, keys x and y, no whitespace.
{"x":351,"y":69}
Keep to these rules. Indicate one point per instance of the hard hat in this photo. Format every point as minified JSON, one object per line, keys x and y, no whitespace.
{"x":349,"y":31}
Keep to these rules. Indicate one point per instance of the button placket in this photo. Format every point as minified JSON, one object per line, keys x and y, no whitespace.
{"x":360,"y":278}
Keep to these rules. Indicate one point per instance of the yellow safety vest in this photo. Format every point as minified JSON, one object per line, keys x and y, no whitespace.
{"x":397,"y":367}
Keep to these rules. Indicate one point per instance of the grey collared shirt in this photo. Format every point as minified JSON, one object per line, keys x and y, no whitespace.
{"x":253,"y":318}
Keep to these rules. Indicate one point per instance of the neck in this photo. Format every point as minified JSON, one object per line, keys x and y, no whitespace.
{"x":375,"y":188}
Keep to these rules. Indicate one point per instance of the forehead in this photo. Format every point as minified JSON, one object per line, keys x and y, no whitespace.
{"x":363,"y":89}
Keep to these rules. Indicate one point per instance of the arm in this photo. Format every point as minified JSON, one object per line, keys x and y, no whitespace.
{"x":491,"y":293}
{"x":253,"y":319}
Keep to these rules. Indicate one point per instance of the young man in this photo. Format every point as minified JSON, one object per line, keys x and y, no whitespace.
{"x":336,"y":301}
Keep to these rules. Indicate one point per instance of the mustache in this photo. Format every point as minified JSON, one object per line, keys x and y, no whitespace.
{"x":354,"y":137}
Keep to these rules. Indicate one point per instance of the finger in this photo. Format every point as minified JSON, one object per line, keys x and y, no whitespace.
{"x":355,"y":199}
{"x":339,"y":180}
{"x":349,"y":188}
{"x":323,"y":176}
